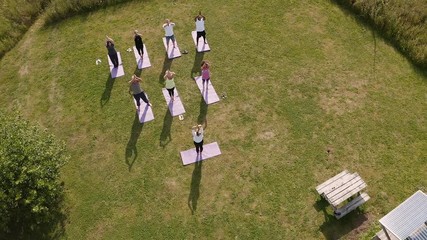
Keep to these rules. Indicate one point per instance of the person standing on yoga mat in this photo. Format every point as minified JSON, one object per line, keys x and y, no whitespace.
{"x":137,"y":92}
{"x":168,"y":26}
{"x":197,"y":132}
{"x":112,"y":52}
{"x":200,"y":27}
{"x":139,"y":44}
{"x":170,"y":83}
{"x":206,"y":74}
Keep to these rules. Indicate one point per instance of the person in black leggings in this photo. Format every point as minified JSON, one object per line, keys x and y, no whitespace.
{"x":112,"y":52}
{"x":139,"y":44}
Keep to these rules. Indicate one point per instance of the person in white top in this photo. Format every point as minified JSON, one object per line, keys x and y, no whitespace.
{"x":197,"y":132}
{"x":168,"y":26}
{"x":200,"y":27}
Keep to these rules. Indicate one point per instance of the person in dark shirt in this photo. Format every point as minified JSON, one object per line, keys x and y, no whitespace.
{"x":139,"y":44}
{"x":112,"y":52}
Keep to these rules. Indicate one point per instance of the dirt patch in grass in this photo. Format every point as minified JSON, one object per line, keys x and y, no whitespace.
{"x":344,"y":93}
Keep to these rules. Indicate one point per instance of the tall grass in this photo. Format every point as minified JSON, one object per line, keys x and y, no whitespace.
{"x":404,"y":22}
{"x":16,"y":16}
{"x":61,"y":9}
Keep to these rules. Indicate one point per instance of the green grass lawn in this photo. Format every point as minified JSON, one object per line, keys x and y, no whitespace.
{"x":301,"y":77}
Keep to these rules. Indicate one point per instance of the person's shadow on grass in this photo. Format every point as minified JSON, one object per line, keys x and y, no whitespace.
{"x":137,"y":71}
{"x":107,"y":92}
{"x":195,"y":71}
{"x":203,"y":111}
{"x":165,"y":136}
{"x":131,"y":151}
{"x":167,"y":63}
{"x":193,"y":197}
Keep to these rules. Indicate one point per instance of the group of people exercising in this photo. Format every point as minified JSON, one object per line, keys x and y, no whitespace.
{"x":134,"y":84}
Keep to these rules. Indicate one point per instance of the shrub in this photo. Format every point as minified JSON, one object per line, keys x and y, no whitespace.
{"x":31,"y":194}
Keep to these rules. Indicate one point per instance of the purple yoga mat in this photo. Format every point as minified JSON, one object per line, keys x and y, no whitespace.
{"x":145,"y":113}
{"x":209,"y":150}
{"x":207,"y":90}
{"x":172,"y":52}
{"x":145,"y":61}
{"x":175,"y":107}
{"x":118,"y":71}
{"x":202,"y":47}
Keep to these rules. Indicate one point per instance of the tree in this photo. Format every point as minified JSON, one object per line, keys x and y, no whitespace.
{"x":31,"y":193}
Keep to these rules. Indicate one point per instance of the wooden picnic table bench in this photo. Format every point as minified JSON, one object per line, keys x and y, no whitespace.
{"x":342,"y":187}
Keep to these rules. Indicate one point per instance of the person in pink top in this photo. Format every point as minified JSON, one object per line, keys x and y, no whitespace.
{"x":206,"y":74}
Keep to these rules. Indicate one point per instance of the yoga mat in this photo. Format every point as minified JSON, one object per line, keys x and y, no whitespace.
{"x":207,"y":90}
{"x":118,"y":71}
{"x":209,"y":150}
{"x":145,"y":113}
{"x":172,"y":52}
{"x":145,"y":61}
{"x":202,"y":46}
{"x":175,"y":107}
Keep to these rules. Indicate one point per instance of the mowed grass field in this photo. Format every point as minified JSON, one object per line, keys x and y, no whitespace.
{"x":301,"y":78}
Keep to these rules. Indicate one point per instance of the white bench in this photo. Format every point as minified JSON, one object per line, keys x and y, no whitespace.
{"x":353,"y":204}
{"x":329,"y":184}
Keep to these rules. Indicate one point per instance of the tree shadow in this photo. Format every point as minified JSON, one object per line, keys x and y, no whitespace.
{"x":165,"y":136}
{"x":333,"y":228}
{"x":23,"y":225}
{"x":203,"y":111}
{"x":195,"y":71}
{"x":131,"y":152}
{"x":107,"y":92}
{"x":167,"y":63}
{"x":193,"y":197}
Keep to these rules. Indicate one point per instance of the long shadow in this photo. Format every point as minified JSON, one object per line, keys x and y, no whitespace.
{"x":195,"y":71}
{"x":193,"y":197}
{"x":137,"y":71}
{"x":131,"y":152}
{"x":167,"y":63}
{"x":107,"y":92}
{"x":165,"y":136}
{"x":203,"y":111}
{"x":333,"y":228}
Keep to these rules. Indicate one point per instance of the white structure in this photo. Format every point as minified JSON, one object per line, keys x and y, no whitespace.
{"x":408,"y":221}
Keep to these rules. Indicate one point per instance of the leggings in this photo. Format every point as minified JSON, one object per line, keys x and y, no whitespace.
{"x":201,"y":34}
{"x":114,"y":59}
{"x":199,"y":146}
{"x":140,"y":50}
{"x":142,"y":96}
{"x":171,"y":91}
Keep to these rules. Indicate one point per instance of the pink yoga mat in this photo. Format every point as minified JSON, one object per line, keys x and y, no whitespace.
{"x":207,"y":90}
{"x":172,"y":52}
{"x":118,"y":71}
{"x":145,"y":113}
{"x":209,"y":150}
{"x":175,"y":107}
{"x":145,"y":61}
{"x":202,"y":47}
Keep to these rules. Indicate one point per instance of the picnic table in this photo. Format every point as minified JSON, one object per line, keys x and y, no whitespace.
{"x":344,"y":187}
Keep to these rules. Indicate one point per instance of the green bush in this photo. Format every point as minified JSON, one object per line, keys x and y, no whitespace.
{"x":404,"y":22}
{"x":31,"y":194}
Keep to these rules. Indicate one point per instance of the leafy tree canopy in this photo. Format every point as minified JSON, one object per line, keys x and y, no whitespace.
{"x":31,"y":193}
